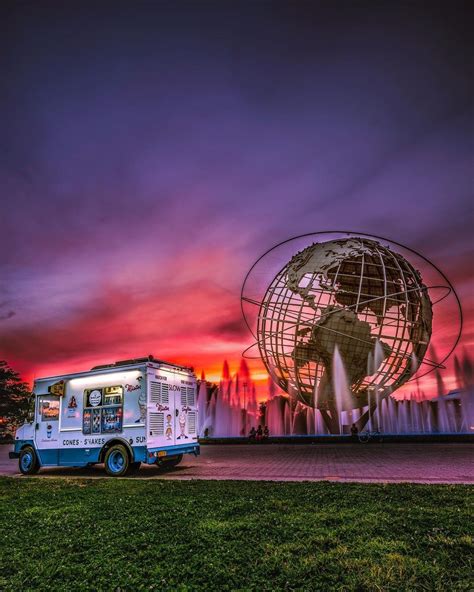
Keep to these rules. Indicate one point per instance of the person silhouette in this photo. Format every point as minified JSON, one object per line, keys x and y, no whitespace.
{"x":354,"y":431}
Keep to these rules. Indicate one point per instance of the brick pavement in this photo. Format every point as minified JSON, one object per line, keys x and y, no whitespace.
{"x":373,"y":462}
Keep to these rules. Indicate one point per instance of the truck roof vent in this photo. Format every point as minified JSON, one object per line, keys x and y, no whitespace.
{"x":131,"y":362}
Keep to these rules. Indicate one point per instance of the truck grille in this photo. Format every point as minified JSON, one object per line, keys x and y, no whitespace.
{"x":192,"y":422}
{"x":188,"y":396}
{"x":156,"y":424}
{"x":159,"y":393}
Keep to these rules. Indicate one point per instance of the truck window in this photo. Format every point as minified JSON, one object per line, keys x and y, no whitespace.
{"x":49,"y":409}
{"x":103,"y":410}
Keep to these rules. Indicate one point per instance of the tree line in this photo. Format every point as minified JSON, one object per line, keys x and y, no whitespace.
{"x":15,"y":398}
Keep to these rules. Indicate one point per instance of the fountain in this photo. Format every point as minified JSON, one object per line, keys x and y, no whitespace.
{"x":230,"y":408}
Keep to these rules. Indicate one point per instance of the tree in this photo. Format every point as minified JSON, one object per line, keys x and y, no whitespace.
{"x":15,"y":397}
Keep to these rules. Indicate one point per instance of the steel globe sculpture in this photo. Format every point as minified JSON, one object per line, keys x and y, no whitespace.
{"x":349,"y":307}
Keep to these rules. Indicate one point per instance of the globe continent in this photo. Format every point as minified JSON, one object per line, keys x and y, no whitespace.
{"x":354,"y":295}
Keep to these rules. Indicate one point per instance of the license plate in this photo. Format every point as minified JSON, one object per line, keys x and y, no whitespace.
{"x":162,"y":453}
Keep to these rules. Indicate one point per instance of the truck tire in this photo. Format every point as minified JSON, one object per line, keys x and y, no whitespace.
{"x":171,"y":462}
{"x":28,"y":462}
{"x":117,"y":461}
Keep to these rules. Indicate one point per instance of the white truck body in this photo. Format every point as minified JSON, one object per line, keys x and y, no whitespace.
{"x":147,"y":405}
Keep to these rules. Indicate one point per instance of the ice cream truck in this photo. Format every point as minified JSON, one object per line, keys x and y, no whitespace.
{"x":121,"y":414}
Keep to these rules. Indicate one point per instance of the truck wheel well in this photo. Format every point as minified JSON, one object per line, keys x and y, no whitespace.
{"x":113,"y":442}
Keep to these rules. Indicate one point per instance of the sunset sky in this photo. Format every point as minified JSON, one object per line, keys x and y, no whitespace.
{"x":151,"y":152}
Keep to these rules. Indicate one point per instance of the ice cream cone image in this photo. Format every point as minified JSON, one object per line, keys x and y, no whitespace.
{"x":142,"y":407}
{"x":182,"y":425}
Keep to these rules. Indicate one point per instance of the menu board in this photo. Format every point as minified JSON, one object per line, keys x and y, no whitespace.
{"x":87,"y":421}
{"x":103,"y":410}
{"x":93,"y":397}
{"x":96,"y":420}
{"x":111,"y":420}
{"x":113,"y":395}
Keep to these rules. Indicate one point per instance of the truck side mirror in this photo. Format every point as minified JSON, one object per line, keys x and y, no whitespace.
{"x":30,"y":417}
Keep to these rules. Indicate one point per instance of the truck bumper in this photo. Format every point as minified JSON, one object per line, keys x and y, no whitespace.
{"x":13,"y":454}
{"x":153,"y":453}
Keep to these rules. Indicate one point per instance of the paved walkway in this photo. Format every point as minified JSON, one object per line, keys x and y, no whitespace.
{"x":373,"y":462}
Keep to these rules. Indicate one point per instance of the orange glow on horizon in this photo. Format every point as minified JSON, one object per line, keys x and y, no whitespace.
{"x":195,"y":323}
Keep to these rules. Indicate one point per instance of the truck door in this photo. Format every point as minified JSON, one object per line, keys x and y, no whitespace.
{"x":160,"y":413}
{"x":46,"y":428}
{"x":186,"y":414}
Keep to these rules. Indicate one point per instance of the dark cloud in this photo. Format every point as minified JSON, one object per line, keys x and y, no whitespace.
{"x":8,"y":315}
{"x":5,"y":316}
{"x":231,"y":329}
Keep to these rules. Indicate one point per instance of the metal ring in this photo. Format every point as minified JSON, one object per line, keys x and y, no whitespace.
{"x":450,"y":287}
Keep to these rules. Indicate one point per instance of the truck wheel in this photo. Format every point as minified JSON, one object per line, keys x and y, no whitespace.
{"x":28,"y":463}
{"x":117,"y":461}
{"x":172,"y":461}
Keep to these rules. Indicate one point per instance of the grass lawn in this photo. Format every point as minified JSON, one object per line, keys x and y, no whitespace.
{"x":134,"y":535}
